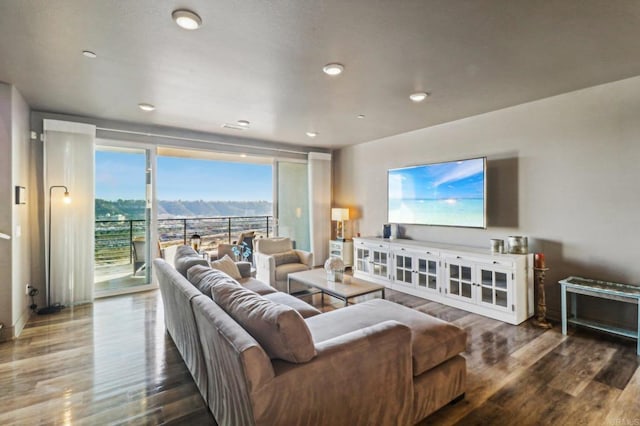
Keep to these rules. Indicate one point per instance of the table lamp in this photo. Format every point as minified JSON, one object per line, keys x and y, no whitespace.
{"x":339,"y":215}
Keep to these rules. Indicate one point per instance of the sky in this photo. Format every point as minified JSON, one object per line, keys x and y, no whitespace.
{"x":456,"y":179}
{"x":121,"y":175}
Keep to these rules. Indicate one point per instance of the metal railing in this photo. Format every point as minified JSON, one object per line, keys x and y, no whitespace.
{"x":113,"y":238}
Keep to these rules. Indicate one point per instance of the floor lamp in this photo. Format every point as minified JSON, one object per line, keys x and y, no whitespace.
{"x":52,"y":309}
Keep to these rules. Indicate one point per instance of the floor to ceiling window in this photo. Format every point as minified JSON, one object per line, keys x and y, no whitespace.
{"x":215,"y":196}
{"x":123,"y":214}
{"x":218,"y":197}
{"x":293,"y":203}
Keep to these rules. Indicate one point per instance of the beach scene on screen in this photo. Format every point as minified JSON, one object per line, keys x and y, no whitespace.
{"x":447,"y":194}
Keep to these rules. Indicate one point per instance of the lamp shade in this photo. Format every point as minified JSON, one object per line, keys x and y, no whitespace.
{"x":339,"y":214}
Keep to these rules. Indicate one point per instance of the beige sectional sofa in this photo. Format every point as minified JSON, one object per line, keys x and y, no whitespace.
{"x":264,"y":357}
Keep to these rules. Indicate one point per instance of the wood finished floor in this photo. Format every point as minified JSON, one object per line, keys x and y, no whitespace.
{"x":113,"y":363}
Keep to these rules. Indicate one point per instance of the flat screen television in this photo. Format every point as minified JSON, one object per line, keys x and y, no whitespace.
{"x":444,"y":194}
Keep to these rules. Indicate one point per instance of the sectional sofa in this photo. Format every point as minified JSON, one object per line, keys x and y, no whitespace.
{"x":266,"y":358}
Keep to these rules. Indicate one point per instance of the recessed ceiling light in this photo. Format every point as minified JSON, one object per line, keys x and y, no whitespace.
{"x":233,"y":126}
{"x":360,"y":115}
{"x":89,"y":54}
{"x":243,"y":123}
{"x":312,"y":134}
{"x":186,"y":19}
{"x":333,"y":69}
{"x":146,"y":107}
{"x":418,"y":96}
{"x":243,"y":155}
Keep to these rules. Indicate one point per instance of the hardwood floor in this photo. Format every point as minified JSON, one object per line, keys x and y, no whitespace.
{"x":113,"y":363}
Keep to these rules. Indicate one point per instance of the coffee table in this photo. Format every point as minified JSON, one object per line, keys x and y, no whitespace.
{"x":350,"y":287}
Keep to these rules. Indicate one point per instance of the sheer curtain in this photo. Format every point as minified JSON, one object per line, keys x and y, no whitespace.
{"x":320,"y":205}
{"x":69,"y":161}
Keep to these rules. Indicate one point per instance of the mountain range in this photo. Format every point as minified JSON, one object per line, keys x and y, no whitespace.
{"x":134,"y":209}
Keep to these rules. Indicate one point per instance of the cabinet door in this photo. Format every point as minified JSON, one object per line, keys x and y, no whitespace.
{"x":495,"y":287}
{"x":362,"y":258}
{"x":379,"y":261}
{"x":427,"y":272}
{"x":403,"y":269}
{"x":459,"y":280}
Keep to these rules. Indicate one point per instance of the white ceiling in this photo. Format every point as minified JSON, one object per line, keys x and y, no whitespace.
{"x":261,"y":60}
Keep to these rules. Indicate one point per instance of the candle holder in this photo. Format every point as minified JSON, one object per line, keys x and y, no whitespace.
{"x":541,"y":318}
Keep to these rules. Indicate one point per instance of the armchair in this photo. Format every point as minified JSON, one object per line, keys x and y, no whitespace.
{"x":275,"y":259}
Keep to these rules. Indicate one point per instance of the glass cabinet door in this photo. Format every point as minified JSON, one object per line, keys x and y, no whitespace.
{"x":427,"y":273}
{"x":379,"y":263}
{"x":495,"y":287}
{"x":404,"y":269}
{"x":362,"y":259}
{"x":460,"y":280}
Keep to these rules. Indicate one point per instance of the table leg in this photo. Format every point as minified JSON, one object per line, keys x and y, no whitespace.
{"x":574,"y":306}
{"x":383,"y":293}
{"x":563,"y":296}
{"x":288,"y":285}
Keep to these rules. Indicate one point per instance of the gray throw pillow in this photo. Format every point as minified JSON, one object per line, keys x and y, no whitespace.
{"x":286,"y":257}
{"x":203,"y":278}
{"x":280,"y":330}
{"x":182,"y":264}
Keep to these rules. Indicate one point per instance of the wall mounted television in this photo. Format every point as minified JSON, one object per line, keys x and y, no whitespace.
{"x":444,"y":194}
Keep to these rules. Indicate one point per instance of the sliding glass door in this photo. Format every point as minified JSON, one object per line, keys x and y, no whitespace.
{"x":292,"y":210}
{"x":123,"y":218}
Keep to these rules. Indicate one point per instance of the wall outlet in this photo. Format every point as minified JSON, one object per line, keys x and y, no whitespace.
{"x":26,"y":291}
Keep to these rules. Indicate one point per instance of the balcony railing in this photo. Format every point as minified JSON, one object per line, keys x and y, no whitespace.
{"x":113,"y":237}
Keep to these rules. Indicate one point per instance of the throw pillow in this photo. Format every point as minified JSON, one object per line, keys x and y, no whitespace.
{"x":286,"y":257}
{"x":228,"y":266}
{"x":203,"y":278}
{"x":280,"y":330}
{"x":185,"y":260}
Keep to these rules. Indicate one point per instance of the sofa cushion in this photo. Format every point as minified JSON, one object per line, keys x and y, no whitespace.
{"x":303,"y":308}
{"x":283,"y":271}
{"x":257,"y":286}
{"x":279,"y":329}
{"x":228,"y":266}
{"x":204,"y":277}
{"x":245,"y":269}
{"x":433,"y":341}
{"x":286,"y":257}
{"x":186,"y":260}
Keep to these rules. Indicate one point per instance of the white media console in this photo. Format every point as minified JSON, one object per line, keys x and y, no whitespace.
{"x":498,"y":286}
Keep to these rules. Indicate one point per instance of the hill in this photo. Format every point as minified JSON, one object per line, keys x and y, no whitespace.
{"x":134,"y":209}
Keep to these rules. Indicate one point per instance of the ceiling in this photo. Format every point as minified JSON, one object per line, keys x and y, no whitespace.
{"x":261,"y":60}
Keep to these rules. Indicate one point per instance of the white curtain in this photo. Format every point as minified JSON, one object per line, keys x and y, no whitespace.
{"x":320,"y":205}
{"x":69,"y":161}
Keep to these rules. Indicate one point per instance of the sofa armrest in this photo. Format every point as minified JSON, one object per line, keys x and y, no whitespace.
{"x":265,"y":268}
{"x":306,"y":257}
{"x":244,"y":268}
{"x":362,"y":377}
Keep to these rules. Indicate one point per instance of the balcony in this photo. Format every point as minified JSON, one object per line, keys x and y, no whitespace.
{"x":114,"y":249}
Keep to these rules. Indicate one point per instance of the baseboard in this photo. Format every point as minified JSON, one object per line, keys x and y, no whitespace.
{"x":22,"y":321}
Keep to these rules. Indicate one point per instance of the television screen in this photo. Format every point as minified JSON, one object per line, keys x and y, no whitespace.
{"x":445,"y":194}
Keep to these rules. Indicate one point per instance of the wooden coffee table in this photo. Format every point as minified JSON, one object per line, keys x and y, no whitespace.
{"x":350,"y":287}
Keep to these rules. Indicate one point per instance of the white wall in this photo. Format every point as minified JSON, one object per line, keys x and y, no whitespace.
{"x":21,"y":169}
{"x":6,"y":199}
{"x":564,"y":171}
{"x":15,"y":169}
